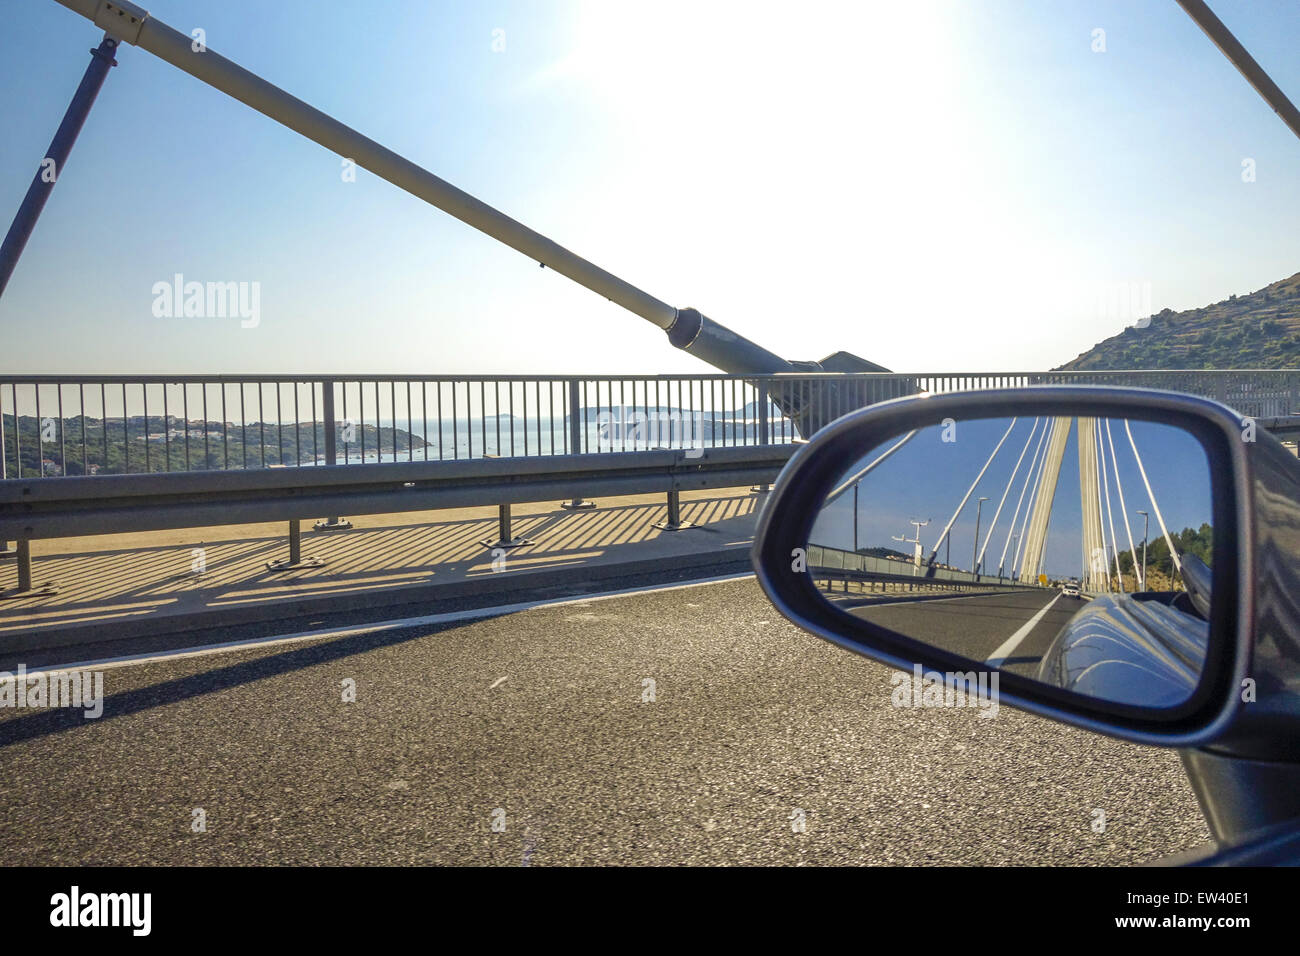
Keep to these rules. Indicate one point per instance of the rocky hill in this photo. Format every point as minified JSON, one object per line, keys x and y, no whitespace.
{"x":1259,"y":330}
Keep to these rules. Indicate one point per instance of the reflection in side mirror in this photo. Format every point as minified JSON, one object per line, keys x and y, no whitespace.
{"x":1071,"y":550}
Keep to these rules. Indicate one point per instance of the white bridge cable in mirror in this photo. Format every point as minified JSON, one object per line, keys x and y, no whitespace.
{"x":1093,"y":537}
{"x":1083,"y":509}
{"x":970,"y":490}
{"x":1017,"y":565}
{"x":1173,"y":552}
{"x":1035,"y":475}
{"x":1010,"y":481}
{"x":1123,"y":509}
{"x":1110,"y":515}
{"x":1104,"y":564}
{"x":1033,"y":463}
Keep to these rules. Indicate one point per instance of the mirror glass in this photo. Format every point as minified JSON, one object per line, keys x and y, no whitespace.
{"x":1075,"y":551}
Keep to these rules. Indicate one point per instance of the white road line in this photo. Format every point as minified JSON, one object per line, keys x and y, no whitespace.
{"x":426,"y":620}
{"x":999,"y":657}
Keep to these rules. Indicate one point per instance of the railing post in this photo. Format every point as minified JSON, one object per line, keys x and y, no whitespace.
{"x":295,"y":560}
{"x":5,"y":550}
{"x":331,"y":436}
{"x":505,"y":538}
{"x":577,"y":429}
{"x":764,"y":429}
{"x":331,"y":451}
{"x":24,"y":566}
{"x":25,"y":589}
{"x":674,"y":520}
{"x":575,"y":418}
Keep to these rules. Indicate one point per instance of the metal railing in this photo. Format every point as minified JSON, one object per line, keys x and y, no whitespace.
{"x":61,"y":425}
{"x":65,"y":425}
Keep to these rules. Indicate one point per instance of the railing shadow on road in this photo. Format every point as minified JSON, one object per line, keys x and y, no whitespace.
{"x":141,"y":580}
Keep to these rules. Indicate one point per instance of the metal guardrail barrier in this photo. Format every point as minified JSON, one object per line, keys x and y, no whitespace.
{"x":871,"y":585}
{"x":119,"y":503}
{"x":60,"y":425}
{"x":50,"y":508}
{"x":824,"y":562}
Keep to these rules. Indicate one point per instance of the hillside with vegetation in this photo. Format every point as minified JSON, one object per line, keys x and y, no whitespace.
{"x":1161,"y":575}
{"x":1259,"y":330}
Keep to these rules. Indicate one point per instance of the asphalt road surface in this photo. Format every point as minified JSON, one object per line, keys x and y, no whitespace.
{"x":682,"y":726}
{"x":1013,"y":628}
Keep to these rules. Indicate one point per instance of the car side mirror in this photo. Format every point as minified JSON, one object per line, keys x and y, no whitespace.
{"x":985,"y":542}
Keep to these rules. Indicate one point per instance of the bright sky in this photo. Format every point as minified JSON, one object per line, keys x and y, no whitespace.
{"x":933,"y":186}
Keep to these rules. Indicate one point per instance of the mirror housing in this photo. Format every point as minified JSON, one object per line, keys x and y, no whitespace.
{"x":1234,"y":449}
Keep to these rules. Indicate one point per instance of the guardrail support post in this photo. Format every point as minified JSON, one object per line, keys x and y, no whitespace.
{"x":295,"y":559}
{"x":25,"y":589}
{"x":674,"y":521}
{"x":577,"y":428}
{"x":764,"y":430}
{"x":331,"y":453}
{"x":504,"y":538}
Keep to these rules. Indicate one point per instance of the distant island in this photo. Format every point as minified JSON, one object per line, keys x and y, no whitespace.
{"x":156,"y":443}
{"x":1258,"y":330}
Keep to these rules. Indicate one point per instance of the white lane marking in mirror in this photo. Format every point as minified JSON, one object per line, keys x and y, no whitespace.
{"x":999,"y":657}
